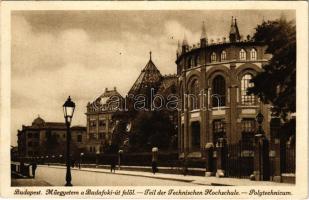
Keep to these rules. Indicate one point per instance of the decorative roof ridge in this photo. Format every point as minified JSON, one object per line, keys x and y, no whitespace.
{"x":169,"y":75}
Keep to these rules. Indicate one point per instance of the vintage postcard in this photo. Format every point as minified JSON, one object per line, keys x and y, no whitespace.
{"x":161,"y":100}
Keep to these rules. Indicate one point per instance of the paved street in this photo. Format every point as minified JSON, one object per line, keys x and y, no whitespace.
{"x":55,"y":175}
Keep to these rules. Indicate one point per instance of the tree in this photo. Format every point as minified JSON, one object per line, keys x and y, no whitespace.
{"x":276,"y":84}
{"x":151,"y":129}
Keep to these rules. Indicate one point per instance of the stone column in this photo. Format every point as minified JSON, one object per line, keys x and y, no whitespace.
{"x":277,"y":159}
{"x":203,"y":108}
{"x":221,"y":157}
{"x":261,"y":158}
{"x":275,"y":152}
{"x":186,"y":116}
{"x":232,"y":131}
{"x":209,"y":150}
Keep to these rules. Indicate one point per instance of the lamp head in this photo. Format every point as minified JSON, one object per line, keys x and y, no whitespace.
{"x":68,"y":110}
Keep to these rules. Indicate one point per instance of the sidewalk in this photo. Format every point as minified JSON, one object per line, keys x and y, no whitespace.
{"x":29,"y":182}
{"x":199,"y":180}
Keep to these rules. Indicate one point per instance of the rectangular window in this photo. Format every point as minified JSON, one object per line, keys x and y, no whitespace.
{"x":223,"y":56}
{"x":248,"y":129}
{"x":218,"y":130}
{"x":92,"y":123}
{"x":213,"y":57}
{"x":248,"y":125}
{"x":79,"y":138}
{"x":253,"y":54}
{"x":102,"y":123}
{"x":242,"y":54}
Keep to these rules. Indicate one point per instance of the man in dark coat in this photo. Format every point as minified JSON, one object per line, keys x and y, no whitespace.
{"x":113,"y":165}
{"x":154,"y":167}
{"x":34,"y":166}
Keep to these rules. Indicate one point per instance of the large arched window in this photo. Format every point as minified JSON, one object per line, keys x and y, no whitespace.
{"x":223,"y":55}
{"x":253,"y":55}
{"x":218,"y":91}
{"x":242,"y":54}
{"x":213,"y":57}
{"x":194,"y":95}
{"x":245,"y":84}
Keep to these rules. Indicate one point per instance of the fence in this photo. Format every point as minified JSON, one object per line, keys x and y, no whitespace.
{"x":290,"y":159}
{"x":240,"y":160}
{"x":168,"y":159}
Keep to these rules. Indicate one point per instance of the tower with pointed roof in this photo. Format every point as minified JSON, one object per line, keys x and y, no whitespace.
{"x":185,"y":45}
{"x":150,"y":77}
{"x":234,"y":32}
{"x":203,"y":36}
{"x":178,"y":49}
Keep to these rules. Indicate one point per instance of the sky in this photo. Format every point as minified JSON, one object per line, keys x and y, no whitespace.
{"x":79,"y":53}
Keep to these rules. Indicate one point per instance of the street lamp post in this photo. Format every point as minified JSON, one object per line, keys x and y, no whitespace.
{"x":261,"y":154}
{"x":259,"y":119}
{"x":259,"y":135}
{"x":68,"y":111}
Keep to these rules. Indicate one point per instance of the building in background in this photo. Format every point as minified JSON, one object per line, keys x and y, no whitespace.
{"x":100,"y":125}
{"x":213,"y":80}
{"x":48,"y":138}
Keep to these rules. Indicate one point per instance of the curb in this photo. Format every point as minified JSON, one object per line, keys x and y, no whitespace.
{"x":121,"y":173}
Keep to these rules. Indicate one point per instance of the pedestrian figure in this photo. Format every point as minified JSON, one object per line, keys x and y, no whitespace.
{"x":185,"y":167}
{"x":113,"y":165}
{"x":72,"y":163}
{"x":34,"y":165}
{"x":154,"y":167}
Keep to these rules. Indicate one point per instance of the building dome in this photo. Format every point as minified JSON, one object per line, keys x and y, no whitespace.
{"x":38,"y":121}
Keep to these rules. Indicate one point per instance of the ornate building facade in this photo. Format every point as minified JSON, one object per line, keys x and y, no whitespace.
{"x":213,"y":82}
{"x":142,"y":98}
{"x":100,"y":125}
